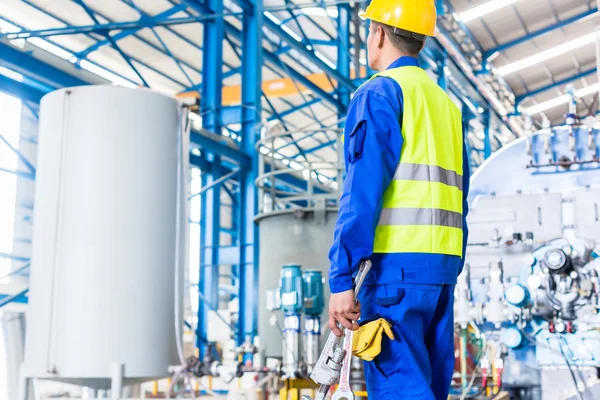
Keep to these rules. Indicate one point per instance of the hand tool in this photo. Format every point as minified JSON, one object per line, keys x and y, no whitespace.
{"x":327,"y":369}
{"x":344,"y":391}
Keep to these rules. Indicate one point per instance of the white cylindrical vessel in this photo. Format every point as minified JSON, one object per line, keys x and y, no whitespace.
{"x":102,"y":279}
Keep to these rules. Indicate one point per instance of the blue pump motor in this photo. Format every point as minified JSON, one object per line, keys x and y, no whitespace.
{"x":290,"y":288}
{"x":314,"y":297}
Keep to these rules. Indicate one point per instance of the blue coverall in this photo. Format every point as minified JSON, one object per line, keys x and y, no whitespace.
{"x":414,"y":291}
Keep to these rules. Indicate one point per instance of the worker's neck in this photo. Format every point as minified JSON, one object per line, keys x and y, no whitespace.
{"x":390,"y":57}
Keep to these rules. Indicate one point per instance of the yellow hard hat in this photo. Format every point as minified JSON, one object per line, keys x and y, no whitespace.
{"x":416,"y":16}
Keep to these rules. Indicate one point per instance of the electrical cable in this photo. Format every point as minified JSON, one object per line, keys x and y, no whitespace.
{"x":210,"y":391}
{"x":474,"y":374}
{"x":562,"y":353}
{"x":570,"y":368}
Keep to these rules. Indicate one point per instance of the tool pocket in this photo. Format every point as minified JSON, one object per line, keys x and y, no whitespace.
{"x":392,"y":366}
{"x":356,"y":141}
{"x":391,"y":298}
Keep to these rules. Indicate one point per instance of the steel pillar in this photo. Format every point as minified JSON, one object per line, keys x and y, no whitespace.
{"x":343,"y":53}
{"x":210,"y":221}
{"x":252,"y":62}
{"x":441,"y":71}
{"x":212,"y":69}
{"x":487,"y":140}
{"x":210,"y":217}
{"x":467,"y":116}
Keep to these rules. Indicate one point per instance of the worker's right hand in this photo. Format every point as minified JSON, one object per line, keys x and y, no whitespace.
{"x":344,"y":310}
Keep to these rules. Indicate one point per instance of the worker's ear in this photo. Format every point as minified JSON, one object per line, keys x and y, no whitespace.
{"x":380,"y":36}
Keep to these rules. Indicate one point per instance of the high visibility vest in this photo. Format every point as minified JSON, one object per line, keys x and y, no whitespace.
{"x":423,"y":206}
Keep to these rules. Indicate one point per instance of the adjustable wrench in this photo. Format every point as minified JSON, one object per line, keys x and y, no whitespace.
{"x":327,"y":369}
{"x":344,"y":391}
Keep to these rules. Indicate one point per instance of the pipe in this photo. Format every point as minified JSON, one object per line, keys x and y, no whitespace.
{"x":116,"y":381}
{"x":463,"y":358}
{"x":181,"y":231}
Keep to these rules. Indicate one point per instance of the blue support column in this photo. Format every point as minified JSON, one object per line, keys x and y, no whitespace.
{"x":343,"y":53}
{"x":212,"y":69}
{"x":252,"y":62}
{"x":439,"y":5}
{"x":209,"y":253}
{"x":442,"y":79}
{"x":487,"y":140}
{"x":211,"y":109}
{"x":467,"y":116}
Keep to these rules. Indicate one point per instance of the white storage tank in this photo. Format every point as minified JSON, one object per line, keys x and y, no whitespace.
{"x":102,"y":279}
{"x":291,"y":237}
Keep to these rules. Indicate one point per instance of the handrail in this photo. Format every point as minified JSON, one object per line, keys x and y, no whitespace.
{"x":312,"y":180}
{"x":210,"y":306}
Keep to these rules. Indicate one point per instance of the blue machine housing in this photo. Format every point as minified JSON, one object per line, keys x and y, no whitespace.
{"x":291,"y":289}
{"x":314,"y":296}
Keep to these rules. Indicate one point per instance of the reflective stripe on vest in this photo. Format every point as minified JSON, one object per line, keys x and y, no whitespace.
{"x":422,"y":207}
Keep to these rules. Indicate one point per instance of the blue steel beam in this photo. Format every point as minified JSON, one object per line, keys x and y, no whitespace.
{"x":20,"y":90}
{"x":343,"y":54}
{"x":218,"y":145}
{"x":271,"y":58}
{"x":20,"y":155}
{"x":540,"y":32}
{"x":252,"y":24}
{"x":487,"y":140}
{"x":294,"y":109}
{"x":114,"y":44}
{"x":310,"y":55}
{"x":95,"y":37}
{"x":210,"y":220}
{"x":212,"y":69}
{"x":14,"y":298}
{"x":520,"y":98}
{"x":30,"y":66}
{"x":128,"y":32}
{"x":130,"y":27}
{"x":14,"y":257}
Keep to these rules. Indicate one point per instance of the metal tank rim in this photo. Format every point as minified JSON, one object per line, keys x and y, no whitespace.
{"x":107,"y":85}
{"x":262,"y":216}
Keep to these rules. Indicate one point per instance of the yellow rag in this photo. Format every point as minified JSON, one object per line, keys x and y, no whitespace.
{"x":366,"y":343}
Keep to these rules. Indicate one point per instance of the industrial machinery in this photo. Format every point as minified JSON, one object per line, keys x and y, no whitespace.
{"x":298,"y":293}
{"x":295,"y":225}
{"x":529,"y":295}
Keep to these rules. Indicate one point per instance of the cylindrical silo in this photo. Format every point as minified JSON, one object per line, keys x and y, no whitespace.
{"x":104,"y":247}
{"x":290,"y":237}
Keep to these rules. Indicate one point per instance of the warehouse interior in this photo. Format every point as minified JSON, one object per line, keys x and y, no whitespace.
{"x":170,"y":179}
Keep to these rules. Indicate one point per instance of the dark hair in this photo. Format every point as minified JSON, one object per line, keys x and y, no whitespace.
{"x":403,"y":43}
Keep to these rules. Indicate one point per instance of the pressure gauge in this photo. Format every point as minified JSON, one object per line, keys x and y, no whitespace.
{"x":557,"y":261}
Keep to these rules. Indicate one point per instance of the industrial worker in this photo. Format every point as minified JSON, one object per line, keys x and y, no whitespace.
{"x":403,"y":207}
